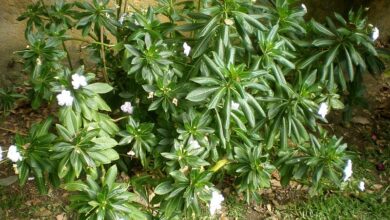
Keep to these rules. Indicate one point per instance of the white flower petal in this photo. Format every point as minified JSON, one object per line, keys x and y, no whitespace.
{"x":361,"y":186}
{"x":347,"y":171}
{"x":175,"y":101}
{"x":65,"y":98}
{"x":187,"y":49}
{"x":131,"y":153}
{"x":78,"y":81}
{"x":304,"y":8}
{"x":215,"y":202}
{"x":375,"y":34}
{"x":13,"y":154}
{"x":127,"y":108}
{"x":323,"y":110}
{"x":235,"y":105}
{"x":150,"y":95}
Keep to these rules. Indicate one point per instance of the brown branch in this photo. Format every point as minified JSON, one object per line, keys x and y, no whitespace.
{"x":103,"y":55}
{"x":13,"y":131}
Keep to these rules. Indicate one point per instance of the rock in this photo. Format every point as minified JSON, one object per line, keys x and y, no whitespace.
{"x":361,"y":120}
{"x":377,"y":186}
{"x":43,"y":212}
{"x":269,"y":207}
{"x":61,"y":216}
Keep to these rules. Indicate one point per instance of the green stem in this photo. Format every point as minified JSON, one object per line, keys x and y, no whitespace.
{"x":121,"y":118}
{"x":67,"y":55}
{"x":89,"y":42}
{"x":93,"y":37}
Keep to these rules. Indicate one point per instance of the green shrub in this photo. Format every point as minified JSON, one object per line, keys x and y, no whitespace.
{"x":200,"y":91}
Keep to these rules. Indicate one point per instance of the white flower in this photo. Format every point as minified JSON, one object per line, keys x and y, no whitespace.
{"x":215,"y":202}
{"x":174,"y":101}
{"x":78,"y":81}
{"x":194,"y":144}
{"x":361,"y":186}
{"x":122,"y":18}
{"x":234,"y":105}
{"x":13,"y":154}
{"x":304,"y":8}
{"x":150,"y":95}
{"x":131,"y":153}
{"x":187,"y":49}
{"x":347,"y":171}
{"x":323,"y":110}
{"x":127,"y":108}
{"x":375,"y":34}
{"x":1,"y":153}
{"x":64,"y":98}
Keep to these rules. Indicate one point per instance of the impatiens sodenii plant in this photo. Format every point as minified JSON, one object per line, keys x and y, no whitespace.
{"x":184,"y":95}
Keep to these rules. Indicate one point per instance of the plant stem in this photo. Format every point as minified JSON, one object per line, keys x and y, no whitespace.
{"x":125,"y":7}
{"x":103,"y":54}
{"x":118,"y":119}
{"x":89,"y":42}
{"x":67,"y":55}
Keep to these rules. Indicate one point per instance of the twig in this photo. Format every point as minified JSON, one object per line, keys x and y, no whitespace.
{"x":103,"y":55}
{"x":13,"y":131}
{"x":118,"y":119}
{"x":89,"y":42}
{"x":125,"y":7}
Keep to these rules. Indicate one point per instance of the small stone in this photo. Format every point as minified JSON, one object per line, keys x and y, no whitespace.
{"x":269,"y":207}
{"x":360,"y":120}
{"x":377,"y":186}
{"x":61,"y":216}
